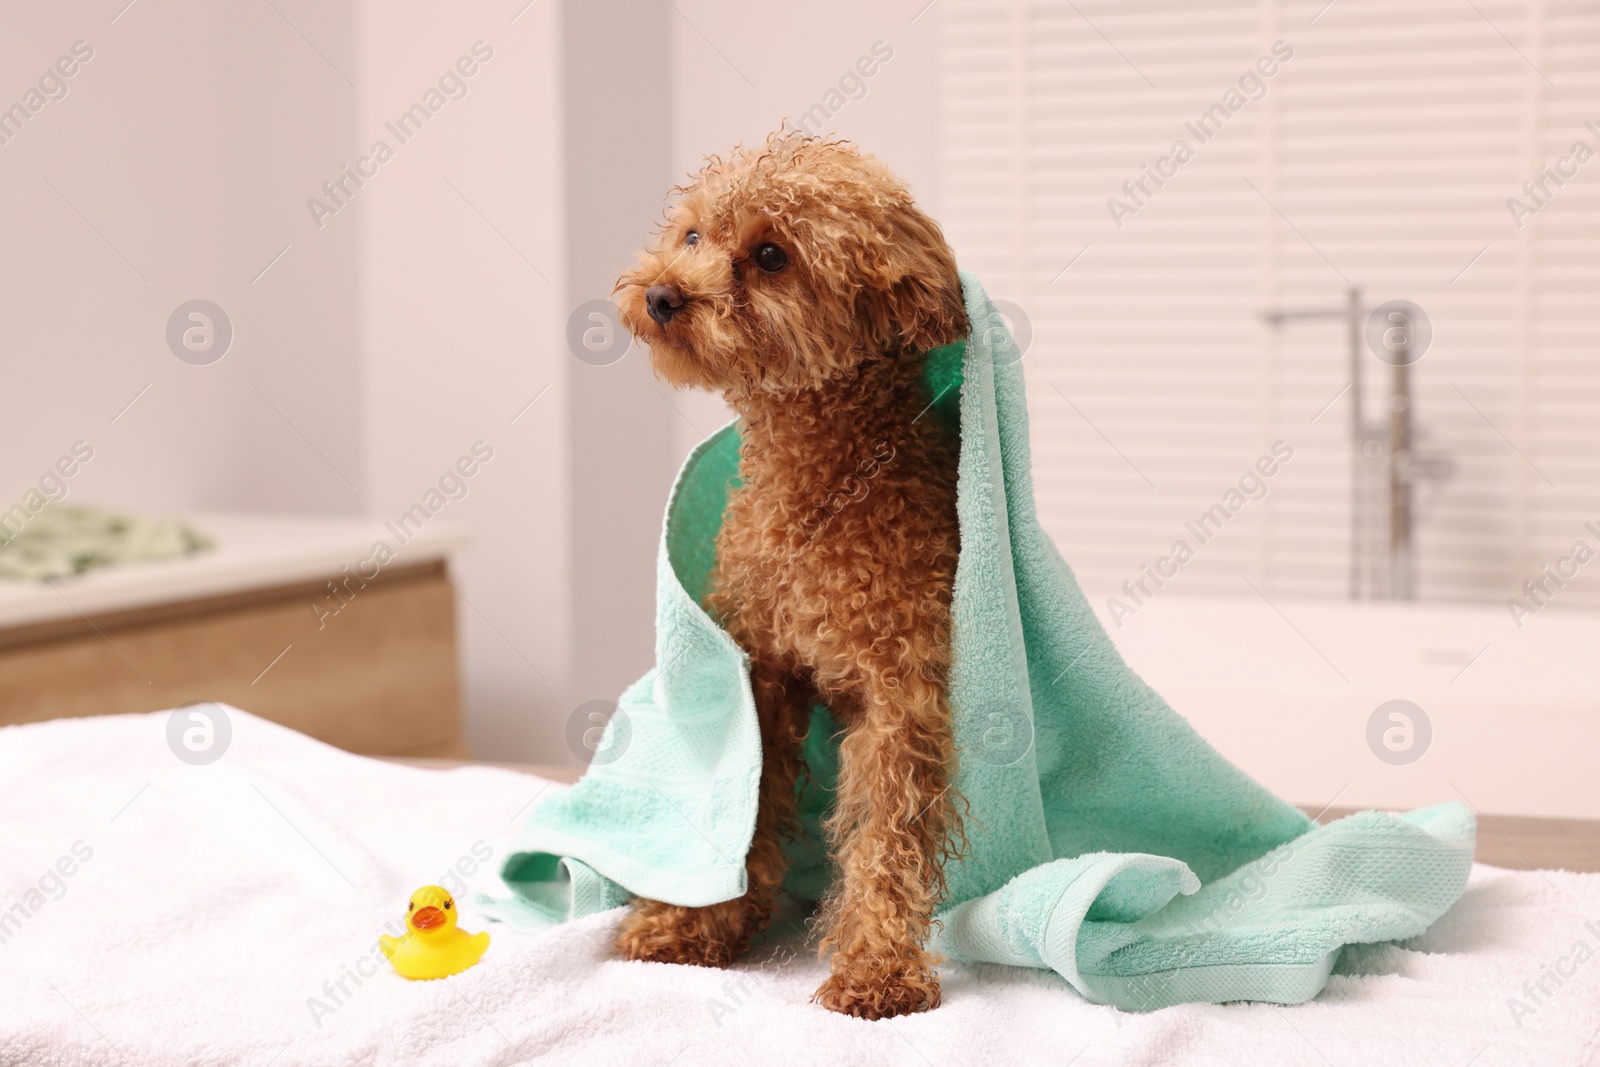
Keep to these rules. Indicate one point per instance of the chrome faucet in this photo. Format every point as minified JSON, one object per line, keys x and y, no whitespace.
{"x":1386,"y":465}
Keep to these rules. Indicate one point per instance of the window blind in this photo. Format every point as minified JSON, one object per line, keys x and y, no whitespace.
{"x":1383,"y":151}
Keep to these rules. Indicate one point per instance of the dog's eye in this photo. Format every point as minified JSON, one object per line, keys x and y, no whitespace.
{"x":771,"y":258}
{"x":692,"y":237}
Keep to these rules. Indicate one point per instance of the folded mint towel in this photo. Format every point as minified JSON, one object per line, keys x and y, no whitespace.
{"x":1108,"y":841}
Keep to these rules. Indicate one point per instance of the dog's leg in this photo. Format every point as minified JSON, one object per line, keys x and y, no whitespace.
{"x":716,"y":935}
{"x":889,"y":826}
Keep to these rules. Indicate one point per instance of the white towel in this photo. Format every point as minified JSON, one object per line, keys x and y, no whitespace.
{"x":212,"y":913}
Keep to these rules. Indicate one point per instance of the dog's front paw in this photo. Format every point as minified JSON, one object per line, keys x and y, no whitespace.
{"x":873,"y":993}
{"x":665,"y":933}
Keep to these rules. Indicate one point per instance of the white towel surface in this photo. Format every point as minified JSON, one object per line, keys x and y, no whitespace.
{"x":220,"y":907}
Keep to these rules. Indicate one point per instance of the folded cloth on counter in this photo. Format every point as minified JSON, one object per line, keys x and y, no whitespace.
{"x":1108,"y":841}
{"x":57,"y":542}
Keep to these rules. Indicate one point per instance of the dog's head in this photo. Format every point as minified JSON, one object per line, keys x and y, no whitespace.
{"x":786,"y":267}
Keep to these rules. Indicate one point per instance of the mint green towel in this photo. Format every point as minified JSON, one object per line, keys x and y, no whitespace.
{"x":1108,"y":841}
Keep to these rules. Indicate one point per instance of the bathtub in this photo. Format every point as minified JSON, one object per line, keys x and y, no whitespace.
{"x":1298,"y":694}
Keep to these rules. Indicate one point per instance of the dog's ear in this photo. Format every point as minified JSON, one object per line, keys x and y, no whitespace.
{"x":912,"y":299}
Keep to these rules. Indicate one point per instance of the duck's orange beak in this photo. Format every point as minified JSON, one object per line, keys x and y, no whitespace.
{"x":427,"y":918}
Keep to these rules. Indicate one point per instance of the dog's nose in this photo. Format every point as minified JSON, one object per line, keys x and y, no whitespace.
{"x":663,"y":301}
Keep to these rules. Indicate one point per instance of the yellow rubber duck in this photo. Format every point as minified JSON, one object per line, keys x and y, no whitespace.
{"x":432,"y":946}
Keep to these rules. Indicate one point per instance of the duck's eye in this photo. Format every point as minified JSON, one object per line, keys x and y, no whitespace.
{"x":409,"y":905}
{"x":771,"y":258}
{"x":449,"y":904}
{"x":692,"y":237}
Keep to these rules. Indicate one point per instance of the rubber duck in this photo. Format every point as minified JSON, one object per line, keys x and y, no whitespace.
{"x":432,"y":947}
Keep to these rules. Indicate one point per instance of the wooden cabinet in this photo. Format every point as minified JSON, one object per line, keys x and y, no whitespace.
{"x":369,"y":665}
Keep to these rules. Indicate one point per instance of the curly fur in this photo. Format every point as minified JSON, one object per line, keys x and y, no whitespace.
{"x":837,"y":554}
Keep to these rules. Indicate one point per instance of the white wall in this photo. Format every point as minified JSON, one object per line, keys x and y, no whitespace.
{"x":615,"y":151}
{"x":182,"y":146}
{"x":461,"y":295}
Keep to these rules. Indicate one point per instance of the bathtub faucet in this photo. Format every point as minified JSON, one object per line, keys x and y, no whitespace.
{"x":1386,"y":467}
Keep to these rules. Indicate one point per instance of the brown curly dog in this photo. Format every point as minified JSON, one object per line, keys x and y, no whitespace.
{"x":801,"y":282}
